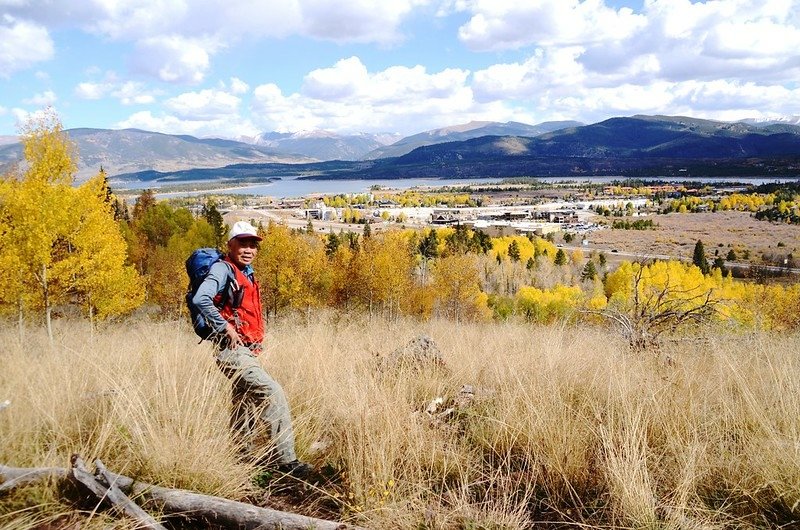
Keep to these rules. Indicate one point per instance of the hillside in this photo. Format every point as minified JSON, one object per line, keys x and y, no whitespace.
{"x":132,"y":150}
{"x":323,"y":145}
{"x":564,"y":425}
{"x":467,"y":131}
{"x":639,"y":146}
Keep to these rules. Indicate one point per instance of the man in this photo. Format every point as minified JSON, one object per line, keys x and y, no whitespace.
{"x":229,"y":300}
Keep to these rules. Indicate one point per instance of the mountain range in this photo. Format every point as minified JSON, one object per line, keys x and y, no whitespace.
{"x":637,"y":145}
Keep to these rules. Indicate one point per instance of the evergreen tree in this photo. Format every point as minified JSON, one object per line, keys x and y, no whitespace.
{"x":481,"y":242}
{"x":561,"y":257}
{"x":459,"y":241}
{"x":332,"y":244}
{"x":731,"y":255}
{"x":589,"y":271}
{"x":429,"y":245}
{"x":214,"y":218}
{"x":699,"y":258}
{"x":719,"y":263}
{"x":367,"y":230}
{"x":513,"y":251}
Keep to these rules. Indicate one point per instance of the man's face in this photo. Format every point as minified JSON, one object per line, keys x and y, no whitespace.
{"x":242,"y":250}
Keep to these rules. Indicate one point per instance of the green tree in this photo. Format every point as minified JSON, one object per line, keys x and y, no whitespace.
{"x":699,"y":258}
{"x":481,"y":242}
{"x":731,"y":255}
{"x":429,"y":245}
{"x":589,"y":271}
{"x":331,"y":244}
{"x":719,"y":263}
{"x":561,"y":257}
{"x":459,"y":242}
{"x":513,"y":251}
{"x":214,"y":218}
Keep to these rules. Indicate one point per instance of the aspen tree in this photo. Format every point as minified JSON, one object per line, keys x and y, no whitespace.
{"x":60,"y":244}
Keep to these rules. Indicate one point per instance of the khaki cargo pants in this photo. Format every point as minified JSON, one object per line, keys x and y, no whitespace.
{"x":258,"y":401}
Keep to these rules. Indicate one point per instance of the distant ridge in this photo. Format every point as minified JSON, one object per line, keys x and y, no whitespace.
{"x":131,"y":150}
{"x":638,"y":146}
{"x":466,"y":131}
{"x":324,"y":145}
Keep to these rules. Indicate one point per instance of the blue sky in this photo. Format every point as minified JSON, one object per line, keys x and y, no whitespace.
{"x":238,"y":68}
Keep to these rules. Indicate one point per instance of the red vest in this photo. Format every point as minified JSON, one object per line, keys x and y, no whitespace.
{"x":247,"y":319}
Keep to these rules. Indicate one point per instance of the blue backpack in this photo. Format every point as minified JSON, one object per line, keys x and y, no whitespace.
{"x":197,"y":267}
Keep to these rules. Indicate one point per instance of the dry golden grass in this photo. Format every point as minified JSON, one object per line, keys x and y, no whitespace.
{"x":567,"y":425}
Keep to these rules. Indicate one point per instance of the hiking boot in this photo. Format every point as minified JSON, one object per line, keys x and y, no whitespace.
{"x":296,"y":469}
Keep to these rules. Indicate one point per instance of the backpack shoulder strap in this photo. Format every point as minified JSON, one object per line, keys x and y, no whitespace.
{"x":233,"y":290}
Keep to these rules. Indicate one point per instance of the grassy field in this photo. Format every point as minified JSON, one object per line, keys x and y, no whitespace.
{"x":567,"y":428}
{"x":677,"y":234}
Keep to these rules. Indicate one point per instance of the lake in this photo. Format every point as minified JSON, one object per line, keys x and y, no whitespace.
{"x":293,"y":187}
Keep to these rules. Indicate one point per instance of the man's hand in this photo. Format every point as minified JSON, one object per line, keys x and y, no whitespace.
{"x":234,"y":340}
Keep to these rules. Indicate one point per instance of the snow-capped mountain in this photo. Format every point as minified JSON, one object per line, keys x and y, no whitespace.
{"x":324,"y":145}
{"x":776,"y":120}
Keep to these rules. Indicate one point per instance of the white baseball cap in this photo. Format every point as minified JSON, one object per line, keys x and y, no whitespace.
{"x":244,"y":229}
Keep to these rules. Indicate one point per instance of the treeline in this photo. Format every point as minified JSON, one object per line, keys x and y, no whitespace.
{"x":639,"y":224}
{"x":455,"y":273}
{"x":782,"y":205}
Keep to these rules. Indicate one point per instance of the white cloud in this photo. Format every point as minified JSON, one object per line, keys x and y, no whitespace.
{"x":348,"y":98}
{"x":133,"y":93}
{"x":174,"y":59}
{"x":238,"y":86}
{"x":355,"y":20}
{"x":225,"y":127}
{"x":128,"y":93}
{"x":674,"y":40}
{"x":504,"y":24}
{"x":44,"y":99}
{"x":203,"y":105}
{"x":22,"y":116}
{"x":176,"y":40}
{"x":92,"y":91}
{"x":22,"y":44}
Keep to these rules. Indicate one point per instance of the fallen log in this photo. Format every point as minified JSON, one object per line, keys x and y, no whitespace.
{"x":108,"y":490}
{"x":210,"y":510}
{"x":14,"y":477}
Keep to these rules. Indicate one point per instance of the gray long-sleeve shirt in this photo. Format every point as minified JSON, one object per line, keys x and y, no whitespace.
{"x":214,"y":284}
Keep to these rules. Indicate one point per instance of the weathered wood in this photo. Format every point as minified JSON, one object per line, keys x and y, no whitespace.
{"x":14,"y":477}
{"x":120,"y":499}
{"x":112,"y":493}
{"x":211,"y":510}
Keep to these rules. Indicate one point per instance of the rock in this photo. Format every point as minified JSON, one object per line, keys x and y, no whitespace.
{"x":418,"y":353}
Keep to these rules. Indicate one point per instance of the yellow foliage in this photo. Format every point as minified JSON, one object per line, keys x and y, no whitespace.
{"x":290,"y":269}
{"x":60,"y":244}
{"x":548,"y":305}
{"x":527,"y":248}
{"x":457,"y":288}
